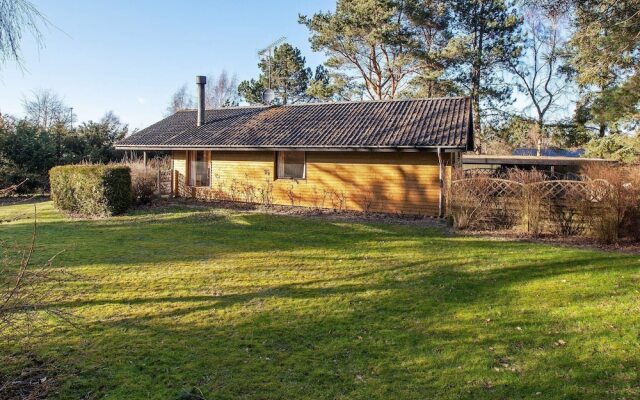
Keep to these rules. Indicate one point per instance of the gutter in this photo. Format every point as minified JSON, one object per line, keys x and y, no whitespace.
{"x":444,"y":149}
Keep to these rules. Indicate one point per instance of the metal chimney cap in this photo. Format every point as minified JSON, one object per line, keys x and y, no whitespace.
{"x":201,"y":80}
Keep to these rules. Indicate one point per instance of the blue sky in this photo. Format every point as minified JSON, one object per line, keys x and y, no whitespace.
{"x":130,"y":56}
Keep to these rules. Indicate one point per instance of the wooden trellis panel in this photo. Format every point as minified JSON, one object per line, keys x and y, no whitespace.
{"x":550,"y":205}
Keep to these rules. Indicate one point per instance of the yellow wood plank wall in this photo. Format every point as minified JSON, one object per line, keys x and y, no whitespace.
{"x":382,"y":182}
{"x":179,"y":159}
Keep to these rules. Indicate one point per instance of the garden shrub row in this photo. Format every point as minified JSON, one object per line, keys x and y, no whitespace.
{"x":91,"y":190}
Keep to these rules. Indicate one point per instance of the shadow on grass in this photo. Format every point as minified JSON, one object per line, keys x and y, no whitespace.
{"x":425,"y":336}
{"x":275,"y":307}
{"x":385,"y":340}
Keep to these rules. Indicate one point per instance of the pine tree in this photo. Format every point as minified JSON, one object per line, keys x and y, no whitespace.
{"x":285,"y":72}
{"x":430,"y":25}
{"x":487,"y":38}
{"x":606,"y":59}
{"x":367,"y":39}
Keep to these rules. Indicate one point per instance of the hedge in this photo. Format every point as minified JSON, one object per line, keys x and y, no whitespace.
{"x":91,"y":190}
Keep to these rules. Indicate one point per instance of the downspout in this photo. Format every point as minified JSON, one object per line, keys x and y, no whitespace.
{"x":441,"y":179}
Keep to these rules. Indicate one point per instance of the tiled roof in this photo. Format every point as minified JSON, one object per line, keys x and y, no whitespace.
{"x":385,"y":124}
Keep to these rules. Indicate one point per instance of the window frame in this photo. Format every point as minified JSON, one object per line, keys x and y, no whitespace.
{"x":280,"y":160}
{"x":191,"y":156}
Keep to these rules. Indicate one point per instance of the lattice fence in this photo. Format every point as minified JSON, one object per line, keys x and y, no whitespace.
{"x":483,"y":201}
{"x":505,"y":174}
{"x":564,"y":207}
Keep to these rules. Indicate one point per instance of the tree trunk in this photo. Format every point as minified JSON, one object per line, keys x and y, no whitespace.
{"x":476,"y":123}
{"x":476,"y":72}
{"x":540,"y":137}
{"x":475,"y":100}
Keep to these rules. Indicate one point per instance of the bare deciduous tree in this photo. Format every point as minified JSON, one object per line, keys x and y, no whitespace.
{"x":539,"y":73}
{"x":46,"y":108}
{"x":16,"y":18}
{"x":181,"y":100}
{"x":221,"y":90}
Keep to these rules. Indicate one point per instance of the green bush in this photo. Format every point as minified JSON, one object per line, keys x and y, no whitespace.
{"x":91,"y":190}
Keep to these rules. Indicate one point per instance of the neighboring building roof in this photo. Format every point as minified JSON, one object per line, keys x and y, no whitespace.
{"x":368,"y":125}
{"x":550,"y":152}
{"x":527,"y":160}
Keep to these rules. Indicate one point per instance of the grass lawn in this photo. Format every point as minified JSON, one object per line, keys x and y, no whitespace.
{"x":244,"y":305}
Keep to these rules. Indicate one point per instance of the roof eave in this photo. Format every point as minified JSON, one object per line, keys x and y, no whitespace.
{"x":294,"y":148}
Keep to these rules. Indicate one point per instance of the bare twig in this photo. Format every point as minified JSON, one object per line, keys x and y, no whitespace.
{"x":11,"y":189}
{"x":29,"y":293}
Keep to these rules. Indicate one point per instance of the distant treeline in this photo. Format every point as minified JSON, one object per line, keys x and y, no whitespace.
{"x":28,"y":149}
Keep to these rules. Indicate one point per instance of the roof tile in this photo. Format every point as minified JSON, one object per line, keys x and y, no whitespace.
{"x":414,"y":123}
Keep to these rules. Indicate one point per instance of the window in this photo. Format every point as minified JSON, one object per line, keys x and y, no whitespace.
{"x":291,"y":164}
{"x":199,"y":168}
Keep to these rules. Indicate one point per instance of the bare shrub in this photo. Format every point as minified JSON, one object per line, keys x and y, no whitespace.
{"x":143,"y":186}
{"x":315,"y":198}
{"x":6,"y":192}
{"x":566,"y":220}
{"x":502,"y":216}
{"x":604,"y":203}
{"x":620,"y":199}
{"x":218,"y":190}
{"x":234,"y":190}
{"x":326,"y":194}
{"x":367,"y":202}
{"x":248,"y":190}
{"x":524,"y":176}
{"x":28,"y":294}
{"x":479,"y":172}
{"x":484,"y":203}
{"x":291,"y":196}
{"x":266,"y":189}
{"x":319,"y":197}
{"x":148,"y":180}
{"x":465,"y":207}
{"x":339,"y":200}
{"x":203,"y":193}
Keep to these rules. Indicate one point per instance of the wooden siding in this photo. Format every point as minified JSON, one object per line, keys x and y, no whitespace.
{"x":179,"y":159}
{"x":381,"y":182}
